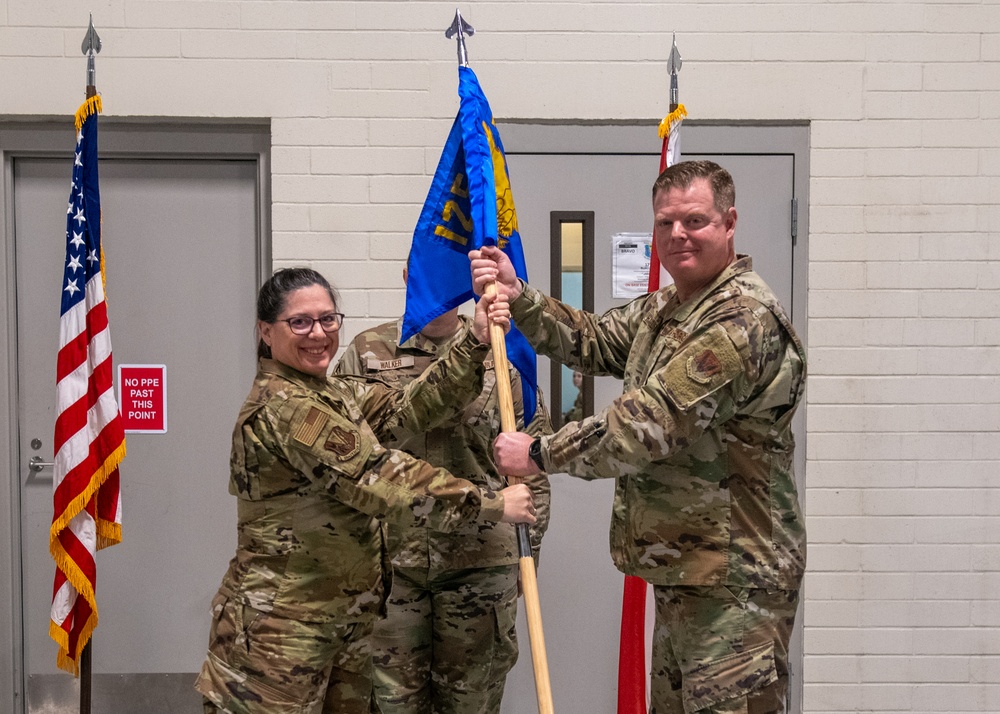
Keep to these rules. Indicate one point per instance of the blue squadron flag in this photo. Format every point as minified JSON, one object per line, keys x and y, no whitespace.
{"x":469,"y":205}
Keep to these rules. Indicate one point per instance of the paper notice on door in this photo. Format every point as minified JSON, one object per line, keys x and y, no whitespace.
{"x":630,"y":264}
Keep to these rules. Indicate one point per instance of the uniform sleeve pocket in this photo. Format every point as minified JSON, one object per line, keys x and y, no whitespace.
{"x":737,"y":675}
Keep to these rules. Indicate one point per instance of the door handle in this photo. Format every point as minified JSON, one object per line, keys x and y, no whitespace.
{"x":36,"y":464}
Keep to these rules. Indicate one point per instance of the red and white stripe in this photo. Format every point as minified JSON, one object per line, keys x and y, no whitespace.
{"x":89,"y":445}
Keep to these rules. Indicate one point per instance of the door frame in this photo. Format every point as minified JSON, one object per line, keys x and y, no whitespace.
{"x":119,"y":138}
{"x":556,"y":219}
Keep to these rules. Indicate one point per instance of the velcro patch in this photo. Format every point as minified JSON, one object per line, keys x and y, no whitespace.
{"x":310,"y":428}
{"x":381,"y":365}
{"x":342,"y":442}
{"x":702,"y":367}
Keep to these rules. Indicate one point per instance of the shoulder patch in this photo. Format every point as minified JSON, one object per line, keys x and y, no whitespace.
{"x":342,"y":442}
{"x":701,"y":367}
{"x":310,"y":428}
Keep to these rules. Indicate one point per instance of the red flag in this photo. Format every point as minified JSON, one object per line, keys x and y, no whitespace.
{"x":632,"y":648}
{"x":89,"y":438}
{"x":632,"y":639}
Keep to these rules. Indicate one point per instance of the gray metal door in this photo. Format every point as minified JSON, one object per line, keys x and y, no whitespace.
{"x":182,"y":243}
{"x":599,"y":169}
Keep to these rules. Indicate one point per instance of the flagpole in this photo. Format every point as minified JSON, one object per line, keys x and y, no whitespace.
{"x":91,"y":46}
{"x":508,"y":423}
{"x":529,"y":580}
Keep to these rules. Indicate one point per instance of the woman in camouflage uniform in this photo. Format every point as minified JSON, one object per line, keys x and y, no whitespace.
{"x":291,"y":620}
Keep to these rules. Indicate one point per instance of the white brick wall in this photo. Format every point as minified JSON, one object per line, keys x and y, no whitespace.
{"x":903,"y":99}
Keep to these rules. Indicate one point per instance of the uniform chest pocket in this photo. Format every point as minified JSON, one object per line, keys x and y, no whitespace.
{"x":659,"y":349}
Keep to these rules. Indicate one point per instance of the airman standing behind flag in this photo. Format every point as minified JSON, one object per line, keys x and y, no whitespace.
{"x":700,"y":444}
{"x":448,"y":639}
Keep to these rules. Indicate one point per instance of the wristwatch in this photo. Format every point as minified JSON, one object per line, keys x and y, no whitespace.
{"x":535,"y":453}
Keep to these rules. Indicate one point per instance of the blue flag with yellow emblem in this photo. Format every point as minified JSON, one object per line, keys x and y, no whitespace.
{"x":469,"y":205}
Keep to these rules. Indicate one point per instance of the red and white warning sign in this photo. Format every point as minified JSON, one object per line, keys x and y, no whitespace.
{"x":142,"y":398}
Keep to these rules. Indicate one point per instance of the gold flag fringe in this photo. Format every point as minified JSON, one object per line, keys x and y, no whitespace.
{"x":91,"y":106}
{"x":668,"y":121}
{"x":63,"y":660}
{"x":108,"y":534}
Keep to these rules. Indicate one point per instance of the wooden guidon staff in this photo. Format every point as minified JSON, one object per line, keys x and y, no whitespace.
{"x":458,"y":30}
{"x":529,"y":583}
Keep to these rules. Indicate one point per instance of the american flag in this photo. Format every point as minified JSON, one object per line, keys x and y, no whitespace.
{"x":89,"y":438}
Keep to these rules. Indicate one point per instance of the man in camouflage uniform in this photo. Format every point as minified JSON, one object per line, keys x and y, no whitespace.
{"x":449,"y":637}
{"x":291,"y":620}
{"x":700,"y":443}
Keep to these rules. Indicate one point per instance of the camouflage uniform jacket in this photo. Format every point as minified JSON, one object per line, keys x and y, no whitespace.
{"x":312,"y":481}
{"x":462,"y":445}
{"x":700,"y":442}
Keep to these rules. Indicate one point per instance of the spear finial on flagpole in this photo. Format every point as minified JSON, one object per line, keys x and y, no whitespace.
{"x":91,"y":46}
{"x":674,"y":66}
{"x":459,"y":29}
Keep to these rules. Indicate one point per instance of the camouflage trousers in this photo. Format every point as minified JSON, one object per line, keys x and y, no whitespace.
{"x":447,"y":642}
{"x":262,"y":664}
{"x":721,"y":650}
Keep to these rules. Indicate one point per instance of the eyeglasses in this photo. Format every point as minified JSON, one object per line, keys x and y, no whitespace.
{"x":303,"y":325}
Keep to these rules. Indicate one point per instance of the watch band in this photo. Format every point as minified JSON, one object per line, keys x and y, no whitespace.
{"x":535,"y":453}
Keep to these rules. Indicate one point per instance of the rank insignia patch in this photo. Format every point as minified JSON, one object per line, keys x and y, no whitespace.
{"x":342,"y":442}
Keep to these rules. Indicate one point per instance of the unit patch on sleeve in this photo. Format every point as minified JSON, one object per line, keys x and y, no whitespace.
{"x":703,"y":366}
{"x":342,"y":442}
{"x":310,"y":427}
